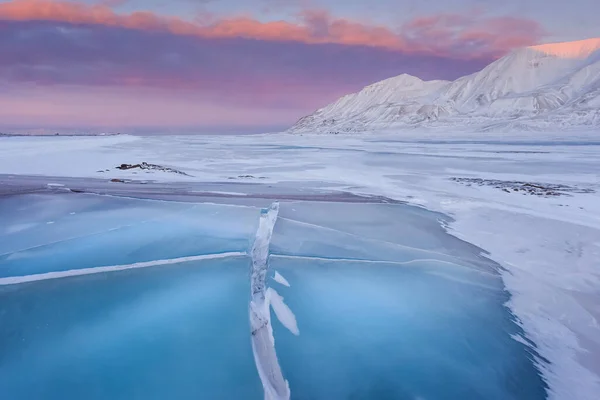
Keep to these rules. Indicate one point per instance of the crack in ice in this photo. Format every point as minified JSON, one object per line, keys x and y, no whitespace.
{"x":374,"y":241}
{"x":97,"y":233}
{"x":13,"y":280}
{"x":263,"y":342}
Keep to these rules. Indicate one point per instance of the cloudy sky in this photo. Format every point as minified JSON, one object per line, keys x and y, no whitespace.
{"x":245,"y":65}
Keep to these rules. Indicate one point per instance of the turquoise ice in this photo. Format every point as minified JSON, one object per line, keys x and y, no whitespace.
{"x":368,"y":301}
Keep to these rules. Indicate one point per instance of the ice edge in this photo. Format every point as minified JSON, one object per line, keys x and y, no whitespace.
{"x":263,"y":342}
{"x":14,"y":280}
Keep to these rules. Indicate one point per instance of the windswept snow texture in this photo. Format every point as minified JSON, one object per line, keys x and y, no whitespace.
{"x":554,"y":86}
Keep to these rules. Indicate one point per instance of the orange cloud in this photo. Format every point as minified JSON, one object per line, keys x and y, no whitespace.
{"x":451,"y":35}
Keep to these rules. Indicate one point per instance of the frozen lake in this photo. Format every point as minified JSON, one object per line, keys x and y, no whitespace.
{"x":120,"y":297}
{"x":380,"y":238}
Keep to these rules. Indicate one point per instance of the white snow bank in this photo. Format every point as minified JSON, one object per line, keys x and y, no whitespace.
{"x":553,"y":292}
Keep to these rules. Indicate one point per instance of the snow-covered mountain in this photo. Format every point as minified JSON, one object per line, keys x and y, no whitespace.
{"x":539,"y":87}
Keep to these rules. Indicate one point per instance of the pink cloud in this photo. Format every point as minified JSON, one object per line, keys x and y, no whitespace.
{"x":88,"y":64}
{"x":471,"y":35}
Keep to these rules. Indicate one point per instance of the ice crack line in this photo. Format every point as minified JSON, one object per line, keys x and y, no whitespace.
{"x":14,"y":280}
{"x":263,"y":342}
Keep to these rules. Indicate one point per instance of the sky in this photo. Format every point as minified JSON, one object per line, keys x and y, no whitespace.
{"x":220,"y":66}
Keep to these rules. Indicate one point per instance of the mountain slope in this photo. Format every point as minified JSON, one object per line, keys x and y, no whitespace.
{"x":558,"y":83}
{"x":374,"y":101}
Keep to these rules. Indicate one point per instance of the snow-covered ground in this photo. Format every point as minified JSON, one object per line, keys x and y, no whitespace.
{"x":532,"y":202}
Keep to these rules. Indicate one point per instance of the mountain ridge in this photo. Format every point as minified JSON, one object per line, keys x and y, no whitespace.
{"x":556,"y":84}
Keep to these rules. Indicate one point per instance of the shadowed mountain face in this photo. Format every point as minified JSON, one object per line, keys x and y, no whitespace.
{"x":539,"y":87}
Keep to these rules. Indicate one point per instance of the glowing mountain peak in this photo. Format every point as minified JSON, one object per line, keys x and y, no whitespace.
{"x":578,"y":49}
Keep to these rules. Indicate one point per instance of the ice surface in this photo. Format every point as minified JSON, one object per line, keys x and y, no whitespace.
{"x":282,"y":311}
{"x":547,"y":247}
{"x":383,"y":232}
{"x":280,"y":279}
{"x":384,"y":332}
{"x":415,"y":326}
{"x":156,"y":333}
{"x":108,"y":231}
{"x":373,"y":282}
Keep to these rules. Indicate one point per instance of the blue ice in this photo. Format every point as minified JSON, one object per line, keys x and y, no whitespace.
{"x":431,"y":327}
{"x":92,"y":231}
{"x":387,"y":304}
{"x":158,"y":333}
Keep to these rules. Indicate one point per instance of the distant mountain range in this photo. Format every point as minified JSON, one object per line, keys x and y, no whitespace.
{"x":551,"y":86}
